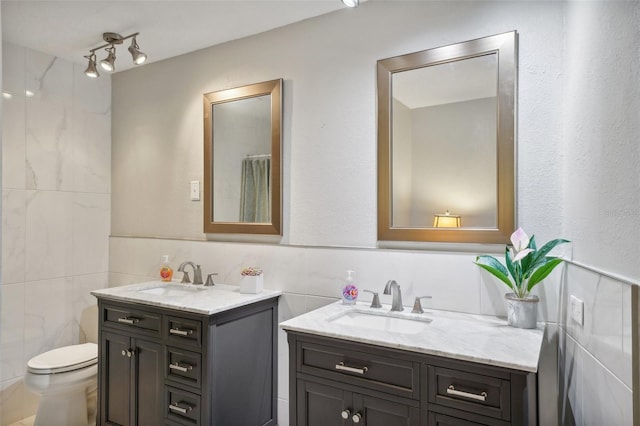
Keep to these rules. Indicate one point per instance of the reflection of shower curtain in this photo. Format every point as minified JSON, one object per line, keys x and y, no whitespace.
{"x":255,"y":196}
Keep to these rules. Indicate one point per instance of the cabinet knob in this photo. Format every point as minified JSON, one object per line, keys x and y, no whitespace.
{"x":345,"y":414}
{"x":356,"y":418}
{"x":127,"y":353}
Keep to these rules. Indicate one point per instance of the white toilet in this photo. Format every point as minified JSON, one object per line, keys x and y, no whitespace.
{"x":66,"y":379}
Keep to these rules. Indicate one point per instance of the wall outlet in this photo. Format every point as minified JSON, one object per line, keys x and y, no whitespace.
{"x":576,"y":309}
{"x":195,"y":190}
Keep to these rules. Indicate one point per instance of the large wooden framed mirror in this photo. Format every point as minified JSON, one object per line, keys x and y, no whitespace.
{"x":242,"y":159}
{"x":446,"y":143}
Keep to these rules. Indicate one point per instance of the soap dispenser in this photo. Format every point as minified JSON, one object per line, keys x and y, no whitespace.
{"x":166,"y":273}
{"x":350,"y":290}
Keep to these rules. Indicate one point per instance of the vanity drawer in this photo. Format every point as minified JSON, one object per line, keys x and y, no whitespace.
{"x":182,"y":407}
{"x":376,"y":370}
{"x":184,"y":367}
{"x":476,"y":393}
{"x":438,"y":419}
{"x":125,"y":318}
{"x":184,"y":332}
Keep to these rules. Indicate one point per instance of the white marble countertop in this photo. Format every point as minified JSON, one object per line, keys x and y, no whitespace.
{"x":185,"y":297}
{"x":476,"y":338}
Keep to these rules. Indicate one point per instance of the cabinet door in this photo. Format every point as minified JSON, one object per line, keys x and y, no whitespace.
{"x":149,"y":386}
{"x":380,"y":412}
{"x":116,"y":379}
{"x":320,"y":405}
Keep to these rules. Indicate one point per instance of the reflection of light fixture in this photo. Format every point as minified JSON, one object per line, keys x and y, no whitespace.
{"x":351,"y":3}
{"x":108,"y":64}
{"x":446,"y":220}
{"x":28,"y":93}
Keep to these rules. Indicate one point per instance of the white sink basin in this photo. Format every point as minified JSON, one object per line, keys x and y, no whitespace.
{"x":381,"y":321}
{"x":174,"y":290}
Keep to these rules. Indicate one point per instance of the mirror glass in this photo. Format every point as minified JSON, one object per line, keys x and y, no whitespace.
{"x":444,"y":143}
{"x":242,"y":159}
{"x":446,"y":126}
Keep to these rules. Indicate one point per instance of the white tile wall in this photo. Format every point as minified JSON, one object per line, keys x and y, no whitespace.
{"x":55,"y":210}
{"x":595,"y":358}
{"x":311,"y":277}
{"x":593,"y":361}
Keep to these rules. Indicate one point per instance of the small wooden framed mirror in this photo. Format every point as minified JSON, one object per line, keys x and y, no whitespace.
{"x":242,"y":159}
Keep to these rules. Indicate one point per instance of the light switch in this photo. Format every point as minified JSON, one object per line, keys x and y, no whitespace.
{"x":576,"y":309}
{"x":195,"y":190}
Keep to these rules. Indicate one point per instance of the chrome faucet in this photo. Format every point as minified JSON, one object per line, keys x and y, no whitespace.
{"x":393,"y":288}
{"x":197,"y":273}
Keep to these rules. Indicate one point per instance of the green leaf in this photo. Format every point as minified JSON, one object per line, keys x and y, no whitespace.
{"x":493,"y":266}
{"x":510,"y":268}
{"x":527,"y":261}
{"x":548,"y":247}
{"x":542,"y":272}
{"x":539,"y":257}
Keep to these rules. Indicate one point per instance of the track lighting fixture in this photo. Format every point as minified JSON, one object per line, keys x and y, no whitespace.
{"x":108,"y":63}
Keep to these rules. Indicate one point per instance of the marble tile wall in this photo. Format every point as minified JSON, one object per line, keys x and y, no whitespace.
{"x":311,"y":277}
{"x":594,"y":359}
{"x":56,"y":143}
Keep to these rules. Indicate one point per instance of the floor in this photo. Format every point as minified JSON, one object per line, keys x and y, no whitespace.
{"x":25,"y":422}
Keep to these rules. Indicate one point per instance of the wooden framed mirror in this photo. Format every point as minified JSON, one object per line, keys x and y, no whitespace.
{"x":242,"y":159}
{"x":446,"y":143}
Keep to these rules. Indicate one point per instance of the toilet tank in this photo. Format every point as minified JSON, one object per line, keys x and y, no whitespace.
{"x":89,"y":325}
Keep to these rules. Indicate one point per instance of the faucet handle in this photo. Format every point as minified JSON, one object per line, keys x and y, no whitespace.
{"x":185,"y":277}
{"x":417,"y":306}
{"x":375,"y":303}
{"x":210,"y":279}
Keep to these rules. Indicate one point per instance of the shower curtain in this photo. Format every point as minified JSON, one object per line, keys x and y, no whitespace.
{"x":255,"y":195}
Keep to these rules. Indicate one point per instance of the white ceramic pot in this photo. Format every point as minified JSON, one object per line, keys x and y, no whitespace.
{"x":251,"y":284}
{"x":522,"y":313}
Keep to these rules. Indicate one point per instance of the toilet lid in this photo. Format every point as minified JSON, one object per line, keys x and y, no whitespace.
{"x":63,"y":359}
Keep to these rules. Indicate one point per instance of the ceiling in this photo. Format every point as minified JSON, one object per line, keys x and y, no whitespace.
{"x":68,"y":29}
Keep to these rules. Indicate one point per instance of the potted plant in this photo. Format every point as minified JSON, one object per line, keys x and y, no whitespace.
{"x":252,"y":281}
{"x":526,"y":266}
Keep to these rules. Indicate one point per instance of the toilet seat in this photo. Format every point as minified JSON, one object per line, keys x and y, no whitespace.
{"x":61,"y":360}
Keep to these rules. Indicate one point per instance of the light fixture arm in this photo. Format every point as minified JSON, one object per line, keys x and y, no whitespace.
{"x":112,"y":39}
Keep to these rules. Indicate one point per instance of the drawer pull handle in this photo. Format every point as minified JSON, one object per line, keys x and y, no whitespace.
{"x":183,"y":368}
{"x":340,"y":366}
{"x":451,"y":390}
{"x":177,"y":408}
{"x":128,"y":320}
{"x":180,"y":332}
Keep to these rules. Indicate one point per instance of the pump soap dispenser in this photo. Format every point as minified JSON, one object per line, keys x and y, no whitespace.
{"x":350,"y":290}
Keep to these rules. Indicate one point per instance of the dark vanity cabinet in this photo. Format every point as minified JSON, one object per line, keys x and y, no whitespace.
{"x":132,"y":372}
{"x":159,"y":366}
{"x":336,"y":382}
